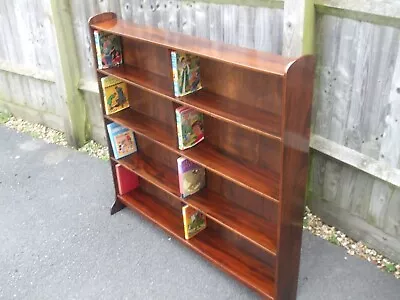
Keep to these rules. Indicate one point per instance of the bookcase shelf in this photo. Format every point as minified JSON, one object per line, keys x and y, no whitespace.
{"x":263,"y":182}
{"x":251,"y":227}
{"x":246,"y":58}
{"x":207,"y":243}
{"x":245,"y":116}
{"x":257,"y":109}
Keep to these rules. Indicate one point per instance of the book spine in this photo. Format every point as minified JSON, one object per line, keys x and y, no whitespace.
{"x":175,"y":73}
{"x":185,"y":223}
{"x":179,"y":129}
{"x":111,"y":134}
{"x":98,"y":49}
{"x":104,"y":81}
{"x":180,"y":175}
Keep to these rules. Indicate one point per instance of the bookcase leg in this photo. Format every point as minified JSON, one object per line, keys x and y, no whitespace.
{"x":117,"y":206}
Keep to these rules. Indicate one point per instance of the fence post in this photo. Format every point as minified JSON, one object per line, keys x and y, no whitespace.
{"x":298,"y":27}
{"x":68,"y":74}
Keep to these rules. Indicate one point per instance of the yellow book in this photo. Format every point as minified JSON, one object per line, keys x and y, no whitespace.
{"x":194,"y":221}
{"x":115,"y":94}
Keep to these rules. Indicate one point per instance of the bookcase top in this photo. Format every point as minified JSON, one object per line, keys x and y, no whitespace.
{"x":238,"y":56}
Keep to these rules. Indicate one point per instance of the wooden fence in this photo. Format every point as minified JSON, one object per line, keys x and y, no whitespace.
{"x":354,"y":180}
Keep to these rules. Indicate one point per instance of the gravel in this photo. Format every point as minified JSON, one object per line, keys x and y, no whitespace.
{"x":317,"y":227}
{"x":311,"y":222}
{"x":51,"y":136}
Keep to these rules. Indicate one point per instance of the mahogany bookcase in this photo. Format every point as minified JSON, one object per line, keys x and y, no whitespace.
{"x":256,"y":110}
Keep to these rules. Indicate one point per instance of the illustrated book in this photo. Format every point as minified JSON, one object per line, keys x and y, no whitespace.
{"x":194,"y":221}
{"x":115,"y":93}
{"x":127,"y":180}
{"x":108,"y":49}
{"x":122,"y":140}
{"x":190,"y":127}
{"x":185,"y":73}
{"x":192,"y":177}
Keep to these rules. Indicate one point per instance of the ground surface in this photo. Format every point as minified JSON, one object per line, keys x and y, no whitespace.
{"x":58,"y":241}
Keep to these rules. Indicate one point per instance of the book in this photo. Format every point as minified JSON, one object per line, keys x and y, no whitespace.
{"x":185,"y":73}
{"x":194,"y":221}
{"x":115,"y":93}
{"x":127,"y":180}
{"x":190,"y":127}
{"x":122,"y":140}
{"x":192,"y":177}
{"x":108,"y":49}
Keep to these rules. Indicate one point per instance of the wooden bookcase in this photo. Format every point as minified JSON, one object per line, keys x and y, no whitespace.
{"x":256,"y":109}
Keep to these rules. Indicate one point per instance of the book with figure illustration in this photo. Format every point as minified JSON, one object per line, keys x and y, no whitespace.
{"x":194,"y":221}
{"x":190,"y":128}
{"x":122,"y":140}
{"x":192,"y":177}
{"x":126,"y":179}
{"x":115,"y":93}
{"x":108,"y":49}
{"x":185,"y":73}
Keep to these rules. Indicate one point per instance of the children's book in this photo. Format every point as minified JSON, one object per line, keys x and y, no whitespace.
{"x":127,"y":180}
{"x":194,"y":221}
{"x":115,"y":93}
{"x":185,"y":72}
{"x":192,"y":177}
{"x":189,"y":124}
{"x":108,"y":49}
{"x":122,"y":140}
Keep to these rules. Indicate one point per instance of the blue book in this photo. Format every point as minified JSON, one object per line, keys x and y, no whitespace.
{"x":122,"y":140}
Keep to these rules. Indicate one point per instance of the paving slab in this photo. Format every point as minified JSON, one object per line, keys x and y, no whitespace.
{"x":58,"y":241}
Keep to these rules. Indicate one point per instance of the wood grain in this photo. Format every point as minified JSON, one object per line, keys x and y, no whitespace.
{"x":255,"y":229}
{"x":259,"y":180}
{"x":220,"y":107}
{"x":246,"y":58}
{"x":244,"y":267}
{"x":296,"y":134}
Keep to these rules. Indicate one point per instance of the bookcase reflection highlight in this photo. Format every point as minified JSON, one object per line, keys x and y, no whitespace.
{"x":256,"y":109}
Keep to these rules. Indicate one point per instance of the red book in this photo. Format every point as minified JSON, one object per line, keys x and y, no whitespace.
{"x":127,"y":180}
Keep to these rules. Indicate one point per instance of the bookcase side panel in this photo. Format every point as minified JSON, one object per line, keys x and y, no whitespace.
{"x":296,"y":136}
{"x":117,"y":205}
{"x":256,"y":89}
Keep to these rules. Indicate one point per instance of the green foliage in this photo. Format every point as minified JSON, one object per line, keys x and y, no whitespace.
{"x":390,"y":267}
{"x":4,"y":117}
{"x":333,"y":239}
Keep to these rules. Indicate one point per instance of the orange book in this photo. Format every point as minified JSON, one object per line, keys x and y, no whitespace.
{"x":194,"y":221}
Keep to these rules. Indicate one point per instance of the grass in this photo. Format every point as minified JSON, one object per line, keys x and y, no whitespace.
{"x":333,"y":239}
{"x":4,"y":117}
{"x":390,"y":267}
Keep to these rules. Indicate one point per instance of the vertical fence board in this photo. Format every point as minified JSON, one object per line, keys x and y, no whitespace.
{"x":230,"y":24}
{"x":201,"y":20}
{"x":216,"y":27}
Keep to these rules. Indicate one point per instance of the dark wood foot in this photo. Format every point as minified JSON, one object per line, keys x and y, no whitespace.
{"x":117,"y":206}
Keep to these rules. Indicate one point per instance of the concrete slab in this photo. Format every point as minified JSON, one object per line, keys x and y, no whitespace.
{"x":58,"y":241}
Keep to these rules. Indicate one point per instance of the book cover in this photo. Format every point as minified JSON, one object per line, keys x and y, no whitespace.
{"x":115,"y":93}
{"x":108,"y":49}
{"x":192,"y":177}
{"x":190,"y":128}
{"x":122,"y":140}
{"x":185,"y":73}
{"x":127,"y":180}
{"x":194,"y":221}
